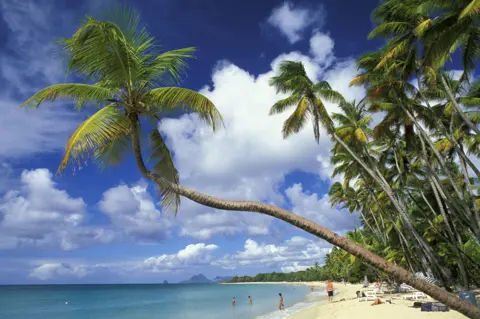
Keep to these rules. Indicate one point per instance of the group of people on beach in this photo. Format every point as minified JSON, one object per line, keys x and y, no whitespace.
{"x":280,"y":304}
{"x":249,"y":300}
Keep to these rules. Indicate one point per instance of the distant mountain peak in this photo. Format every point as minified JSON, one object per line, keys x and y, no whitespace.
{"x":197,"y":279}
{"x":201,"y":279}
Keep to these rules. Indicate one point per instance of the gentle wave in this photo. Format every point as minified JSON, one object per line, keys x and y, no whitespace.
{"x":311,"y":299}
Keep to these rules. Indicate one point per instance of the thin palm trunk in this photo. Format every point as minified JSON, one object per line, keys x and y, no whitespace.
{"x":470,"y":190}
{"x":457,"y":107}
{"x":399,"y":206}
{"x":424,"y":137}
{"x":374,"y":232}
{"x":431,"y":172}
{"x":450,"y":137}
{"x":382,"y":238}
{"x":451,"y":240}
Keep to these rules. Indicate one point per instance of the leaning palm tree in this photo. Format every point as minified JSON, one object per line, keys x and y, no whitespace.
{"x":123,"y":75}
{"x":123,"y":71}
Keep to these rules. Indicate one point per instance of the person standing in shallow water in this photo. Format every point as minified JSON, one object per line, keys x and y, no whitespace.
{"x":330,"y":290}
{"x":280,"y":305}
{"x":250,"y":299}
{"x":233,"y":301}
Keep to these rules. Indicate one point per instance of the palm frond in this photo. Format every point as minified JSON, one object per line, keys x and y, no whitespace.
{"x":395,"y":48}
{"x":420,"y":29}
{"x":471,"y":52}
{"x":473,"y":9}
{"x":79,"y":93}
{"x":105,"y":125}
{"x":360,"y":79}
{"x":113,"y":152}
{"x":99,"y":50}
{"x":296,"y":121}
{"x":168,"y":98}
{"x":165,"y":168}
{"x":469,"y":101}
{"x":281,"y":105}
{"x":389,"y":29}
{"x":330,"y":95}
{"x":171,"y":63}
{"x":322,"y":85}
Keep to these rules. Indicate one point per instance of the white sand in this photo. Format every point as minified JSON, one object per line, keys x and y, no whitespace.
{"x":352,"y":308}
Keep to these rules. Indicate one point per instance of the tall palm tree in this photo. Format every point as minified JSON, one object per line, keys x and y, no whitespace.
{"x":456,"y":27}
{"x":119,"y":60}
{"x":384,"y":85}
{"x":307,"y":96}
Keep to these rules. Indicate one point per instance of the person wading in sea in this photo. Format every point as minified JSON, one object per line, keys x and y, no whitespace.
{"x":233,"y":301}
{"x":330,"y":290}
{"x":250,"y":299}
{"x":280,"y":305}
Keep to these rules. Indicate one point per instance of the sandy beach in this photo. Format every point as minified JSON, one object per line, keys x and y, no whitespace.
{"x":352,"y":308}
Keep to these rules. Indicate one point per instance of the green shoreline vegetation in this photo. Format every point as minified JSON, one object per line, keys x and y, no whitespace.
{"x":410,"y":174}
{"x":337,"y":266}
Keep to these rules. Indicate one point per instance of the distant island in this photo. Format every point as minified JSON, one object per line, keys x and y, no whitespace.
{"x":201,"y":279}
{"x":165,"y":282}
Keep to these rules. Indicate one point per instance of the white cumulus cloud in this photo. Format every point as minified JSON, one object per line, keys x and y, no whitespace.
{"x":192,"y":255}
{"x":28,"y":62}
{"x":296,"y":253}
{"x":319,"y":210}
{"x":249,"y":159}
{"x":133,"y":210}
{"x":50,"y":271}
{"x":33,"y":214}
{"x":291,"y":20}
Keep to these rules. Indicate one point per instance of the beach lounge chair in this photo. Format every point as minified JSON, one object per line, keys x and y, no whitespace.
{"x":415,"y":296}
{"x":369,"y":295}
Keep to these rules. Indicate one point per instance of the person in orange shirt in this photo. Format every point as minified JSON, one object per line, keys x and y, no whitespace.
{"x":330,"y":290}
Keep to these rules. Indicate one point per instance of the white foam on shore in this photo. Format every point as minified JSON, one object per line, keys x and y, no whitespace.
{"x":311,"y":299}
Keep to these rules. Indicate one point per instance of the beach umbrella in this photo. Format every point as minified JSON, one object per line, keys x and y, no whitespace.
{"x":365,"y":281}
{"x":428,"y":279}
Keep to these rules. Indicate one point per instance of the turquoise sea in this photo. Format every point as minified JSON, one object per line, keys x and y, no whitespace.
{"x":148,"y":301}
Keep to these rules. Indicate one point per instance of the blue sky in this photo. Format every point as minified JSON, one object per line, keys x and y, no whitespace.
{"x":92,"y":226}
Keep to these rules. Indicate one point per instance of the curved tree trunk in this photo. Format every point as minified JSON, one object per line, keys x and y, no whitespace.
{"x":379,"y":263}
{"x":249,"y":206}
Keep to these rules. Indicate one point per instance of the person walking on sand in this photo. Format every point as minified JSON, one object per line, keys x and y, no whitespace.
{"x":250,"y":299}
{"x":330,"y":290}
{"x":233,"y":301}
{"x":280,"y":305}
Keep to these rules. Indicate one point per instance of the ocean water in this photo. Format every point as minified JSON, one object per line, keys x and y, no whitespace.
{"x":150,"y":301}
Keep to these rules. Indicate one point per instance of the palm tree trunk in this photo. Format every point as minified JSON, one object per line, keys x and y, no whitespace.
{"x":470,"y":190}
{"x":450,"y":137}
{"x":468,"y":214}
{"x":424,"y":137}
{"x":399,"y":273}
{"x":450,"y":239}
{"x":457,"y":106}
{"x":399,"y":206}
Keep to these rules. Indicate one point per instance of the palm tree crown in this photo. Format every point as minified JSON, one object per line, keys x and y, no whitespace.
{"x":127,"y":79}
{"x":306,"y":95}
